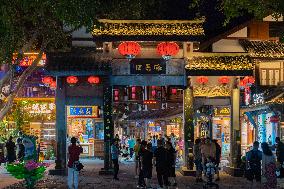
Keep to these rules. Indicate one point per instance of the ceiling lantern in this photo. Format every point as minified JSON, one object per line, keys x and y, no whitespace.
{"x":224,"y":80}
{"x":202,"y":80}
{"x":47,"y":80}
{"x":94,"y":80}
{"x":174,"y":91}
{"x":248,"y":80}
{"x":53,"y":85}
{"x":167,"y":49}
{"x":133,"y":89}
{"x":242,"y":85}
{"x":130,"y":49}
{"x":72,"y":80}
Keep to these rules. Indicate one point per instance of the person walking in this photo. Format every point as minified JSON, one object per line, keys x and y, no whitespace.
{"x":269,"y":178}
{"x":141,"y":181}
{"x":253,"y":158}
{"x":154,"y":143}
{"x":280,"y":155}
{"x":114,"y":158}
{"x":147,"y":165}
{"x":131,"y":144}
{"x":208,"y":151}
{"x":11,"y":150}
{"x":217,"y":158}
{"x":74,"y":152}
{"x":198,"y":159}
{"x":172,"y":155}
{"x":136,"y":151}
{"x":20,"y":149}
{"x":161,"y":161}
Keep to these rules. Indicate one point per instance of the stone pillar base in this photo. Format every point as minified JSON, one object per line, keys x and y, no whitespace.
{"x":235,"y":172}
{"x":57,"y":172}
{"x":186,"y":172}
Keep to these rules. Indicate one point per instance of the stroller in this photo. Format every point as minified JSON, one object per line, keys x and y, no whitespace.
{"x":210,"y":170}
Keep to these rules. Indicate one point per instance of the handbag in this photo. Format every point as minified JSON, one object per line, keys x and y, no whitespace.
{"x":78,"y":166}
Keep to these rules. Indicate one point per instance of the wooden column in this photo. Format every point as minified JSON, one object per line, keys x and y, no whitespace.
{"x":188,"y":124}
{"x":108,"y":125}
{"x":235,"y":150}
{"x":61,"y":132}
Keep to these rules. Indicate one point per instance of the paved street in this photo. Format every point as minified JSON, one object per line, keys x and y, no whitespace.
{"x":89,"y":179}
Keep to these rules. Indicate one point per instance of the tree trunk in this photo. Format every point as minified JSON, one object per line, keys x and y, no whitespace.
{"x":19,"y":84}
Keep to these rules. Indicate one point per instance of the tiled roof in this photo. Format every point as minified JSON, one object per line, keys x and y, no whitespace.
{"x":264,"y":49}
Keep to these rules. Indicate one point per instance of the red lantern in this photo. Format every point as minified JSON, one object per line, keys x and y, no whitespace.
{"x":133,"y":89}
{"x":94,"y":80}
{"x":129,"y":49}
{"x":116,"y":93}
{"x":167,"y":49}
{"x":174,"y":91}
{"x":202,"y":80}
{"x":53,"y":85}
{"x":153,"y":93}
{"x":224,"y":80}
{"x":72,"y":80}
{"x":133,"y":95}
{"x":249,"y":80}
{"x":242,"y":84}
{"x":116,"y":98}
{"x":47,"y":80}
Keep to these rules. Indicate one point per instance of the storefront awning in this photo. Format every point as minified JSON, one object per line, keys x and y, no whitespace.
{"x":264,"y":49}
{"x":155,"y":114}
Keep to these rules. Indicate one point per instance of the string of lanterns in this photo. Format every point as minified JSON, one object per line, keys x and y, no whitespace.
{"x":130,"y":49}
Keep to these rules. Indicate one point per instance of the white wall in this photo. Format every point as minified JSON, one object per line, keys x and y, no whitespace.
{"x":227,"y":45}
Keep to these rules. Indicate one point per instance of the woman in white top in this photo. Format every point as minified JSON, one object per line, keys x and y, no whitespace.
{"x":268,"y":167}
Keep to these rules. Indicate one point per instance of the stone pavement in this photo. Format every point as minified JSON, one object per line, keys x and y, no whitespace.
{"x":90,"y":179}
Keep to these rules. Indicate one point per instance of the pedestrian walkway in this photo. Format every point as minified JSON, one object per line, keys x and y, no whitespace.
{"x":90,"y":179}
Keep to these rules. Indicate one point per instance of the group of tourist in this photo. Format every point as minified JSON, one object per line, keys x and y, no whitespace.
{"x":262,"y":165}
{"x":163,"y":157}
{"x":205,"y":150}
{"x":14,"y":151}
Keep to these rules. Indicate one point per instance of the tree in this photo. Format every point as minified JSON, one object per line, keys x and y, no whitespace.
{"x":45,"y":25}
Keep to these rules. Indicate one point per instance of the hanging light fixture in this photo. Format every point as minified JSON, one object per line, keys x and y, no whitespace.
{"x":47,"y":80}
{"x":129,"y":49}
{"x":202,"y":80}
{"x":52,"y":85}
{"x":94,"y":80}
{"x":167,"y":49}
{"x":174,"y":91}
{"x":72,"y":80}
{"x":224,"y":80}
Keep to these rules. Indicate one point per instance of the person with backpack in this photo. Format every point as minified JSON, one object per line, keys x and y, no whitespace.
{"x":217,"y":158}
{"x":253,"y":159}
{"x":74,"y":152}
{"x":161,"y":162}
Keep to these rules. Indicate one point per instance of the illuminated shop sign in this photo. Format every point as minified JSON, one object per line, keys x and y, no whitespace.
{"x":82,"y":111}
{"x":40,"y":108}
{"x":28,"y":59}
{"x":224,"y":111}
{"x":147,"y":66}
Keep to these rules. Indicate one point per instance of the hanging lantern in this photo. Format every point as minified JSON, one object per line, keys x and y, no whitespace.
{"x":130,"y":49}
{"x":133,"y":95}
{"x":174,"y":91}
{"x":72,"y":80}
{"x":249,"y":80}
{"x":133,"y":89}
{"x":47,"y":80}
{"x":202,"y":80}
{"x":116,"y":98}
{"x":116,"y":93}
{"x":153,"y":93}
{"x":242,"y":85}
{"x":53,"y":85}
{"x":94,"y":80}
{"x":167,"y":49}
{"x":224,"y":80}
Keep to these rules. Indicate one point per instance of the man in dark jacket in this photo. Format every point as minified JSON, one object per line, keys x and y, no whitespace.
{"x":161,"y":159}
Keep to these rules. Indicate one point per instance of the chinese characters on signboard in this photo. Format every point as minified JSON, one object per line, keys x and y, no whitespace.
{"x":82,"y":111}
{"x":147,"y":66}
{"x":222,"y":111}
{"x":40,"y":108}
{"x":28,"y":59}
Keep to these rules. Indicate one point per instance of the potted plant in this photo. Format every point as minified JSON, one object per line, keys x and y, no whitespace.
{"x":30,"y":170}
